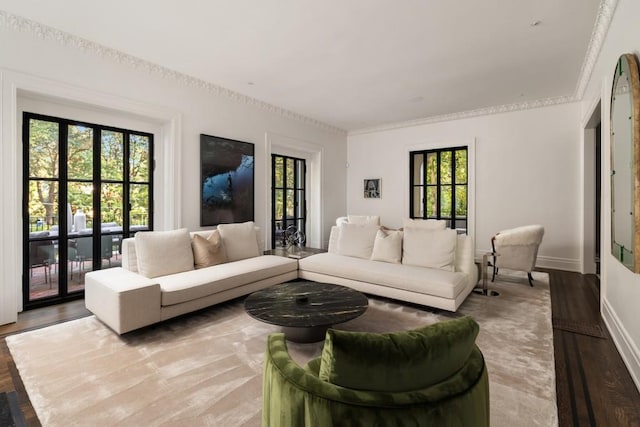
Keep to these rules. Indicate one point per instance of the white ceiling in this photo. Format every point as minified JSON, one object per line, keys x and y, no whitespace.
{"x":352,"y":64}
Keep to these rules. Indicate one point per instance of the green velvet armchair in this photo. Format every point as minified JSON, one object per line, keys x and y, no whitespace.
{"x":425,"y":377}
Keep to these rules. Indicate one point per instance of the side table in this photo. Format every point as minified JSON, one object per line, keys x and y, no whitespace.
{"x":484,"y":290}
{"x":295,"y":252}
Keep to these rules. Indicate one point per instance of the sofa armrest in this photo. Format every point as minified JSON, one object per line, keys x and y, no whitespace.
{"x":122,"y":299}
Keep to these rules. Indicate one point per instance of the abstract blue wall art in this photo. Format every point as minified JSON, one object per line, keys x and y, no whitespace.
{"x":227,"y":180}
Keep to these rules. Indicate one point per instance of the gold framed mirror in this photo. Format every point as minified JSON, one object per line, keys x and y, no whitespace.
{"x":625,"y":163}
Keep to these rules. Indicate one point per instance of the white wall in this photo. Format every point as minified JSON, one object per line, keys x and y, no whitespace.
{"x":620,"y":288}
{"x":526,"y":171}
{"x":110,"y":81}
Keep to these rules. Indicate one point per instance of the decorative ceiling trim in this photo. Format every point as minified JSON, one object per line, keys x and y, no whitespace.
{"x":45,"y":32}
{"x":600,"y":29}
{"x":508,"y":108}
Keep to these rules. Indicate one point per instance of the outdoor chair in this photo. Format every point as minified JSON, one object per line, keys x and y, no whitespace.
{"x":41,"y":254}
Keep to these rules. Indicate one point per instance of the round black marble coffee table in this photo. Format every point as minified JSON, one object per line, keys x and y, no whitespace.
{"x":305,"y":309}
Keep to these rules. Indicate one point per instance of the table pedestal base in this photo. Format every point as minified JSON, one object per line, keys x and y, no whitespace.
{"x":305,"y":335}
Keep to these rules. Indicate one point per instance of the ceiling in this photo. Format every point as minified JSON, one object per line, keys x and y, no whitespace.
{"x":353,"y":64}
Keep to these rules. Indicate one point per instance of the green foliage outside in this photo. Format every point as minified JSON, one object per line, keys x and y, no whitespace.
{"x":447,"y":185}
{"x":44,"y":175}
{"x":284,"y":186}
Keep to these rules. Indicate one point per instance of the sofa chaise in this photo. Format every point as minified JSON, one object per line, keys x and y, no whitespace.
{"x":424,"y":263}
{"x":166,"y":274}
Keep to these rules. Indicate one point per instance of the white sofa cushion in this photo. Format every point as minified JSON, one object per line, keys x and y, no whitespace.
{"x":163,"y":252}
{"x":429,"y":248}
{"x":388,"y":246}
{"x":191,"y":285}
{"x":356,"y":240}
{"x":364,"y":219}
{"x":239,"y":240}
{"x":426,"y":224}
{"x":208,"y":251}
{"x":428,"y":281}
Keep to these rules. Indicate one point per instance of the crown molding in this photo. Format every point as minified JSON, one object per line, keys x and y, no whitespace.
{"x":603,"y":20}
{"x":18,"y":23}
{"x":498,"y":109}
{"x":598,"y":34}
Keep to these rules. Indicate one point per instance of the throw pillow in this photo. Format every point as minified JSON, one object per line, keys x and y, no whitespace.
{"x":364,"y":219}
{"x":388,"y":246}
{"x":357,"y":240}
{"x":208,"y":252}
{"x":426,"y":224}
{"x":240,"y":240}
{"x":398,"y":361}
{"x":429,"y":248}
{"x":161,"y":253}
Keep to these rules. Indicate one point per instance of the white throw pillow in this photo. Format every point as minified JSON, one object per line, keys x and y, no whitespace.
{"x":429,"y":248}
{"x":161,"y":253}
{"x":239,"y":240}
{"x":364,"y":219}
{"x":425,"y":224}
{"x":357,"y":240}
{"x":387,"y":247}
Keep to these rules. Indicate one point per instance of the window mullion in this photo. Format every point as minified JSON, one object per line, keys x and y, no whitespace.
{"x":63,"y":200}
{"x":126,"y":203}
{"x":453,"y":189}
{"x":438,"y":185}
{"x":97,"y":191}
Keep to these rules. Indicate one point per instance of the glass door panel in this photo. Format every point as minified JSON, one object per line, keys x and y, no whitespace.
{"x":80,"y":260}
{"x":79,"y":152}
{"x":80,"y":197}
{"x":139,"y":215}
{"x":139,"y":151}
{"x":69,"y":228}
{"x":288,"y":197}
{"x":42,"y":244}
{"x":112,"y":155}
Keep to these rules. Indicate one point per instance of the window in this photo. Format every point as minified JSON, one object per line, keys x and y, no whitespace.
{"x":288,"y":197}
{"x":86,"y":187}
{"x":439,"y":185}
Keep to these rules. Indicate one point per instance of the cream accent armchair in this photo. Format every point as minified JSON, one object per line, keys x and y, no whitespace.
{"x":517,"y":249}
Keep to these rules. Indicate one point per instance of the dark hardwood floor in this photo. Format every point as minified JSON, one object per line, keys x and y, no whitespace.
{"x":592,"y":383}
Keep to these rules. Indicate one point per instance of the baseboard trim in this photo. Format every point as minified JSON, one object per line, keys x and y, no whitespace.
{"x":626,"y":347}
{"x":553,"y":263}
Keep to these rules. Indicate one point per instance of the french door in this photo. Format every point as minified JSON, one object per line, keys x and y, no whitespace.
{"x":288,"y":199}
{"x":86,"y":187}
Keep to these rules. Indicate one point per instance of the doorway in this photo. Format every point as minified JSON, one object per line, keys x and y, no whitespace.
{"x":288,"y":200}
{"x":592,"y":195}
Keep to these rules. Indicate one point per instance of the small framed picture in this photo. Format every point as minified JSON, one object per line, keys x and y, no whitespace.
{"x":372,"y":188}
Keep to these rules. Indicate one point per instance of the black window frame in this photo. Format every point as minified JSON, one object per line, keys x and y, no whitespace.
{"x":63,"y":180}
{"x":278,"y":225}
{"x":453,"y":221}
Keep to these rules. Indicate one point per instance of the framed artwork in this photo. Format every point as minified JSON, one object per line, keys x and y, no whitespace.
{"x":226,"y":180}
{"x":372,"y":189}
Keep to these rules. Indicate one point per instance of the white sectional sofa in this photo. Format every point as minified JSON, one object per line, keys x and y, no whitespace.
{"x":424,"y":264}
{"x":126,"y":298}
{"x":166,"y":274}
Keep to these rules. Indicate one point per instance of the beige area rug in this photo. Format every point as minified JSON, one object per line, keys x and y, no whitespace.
{"x":206,"y":368}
